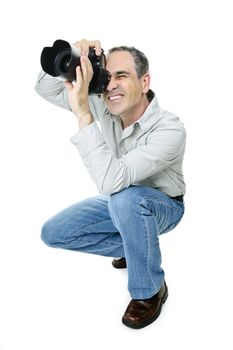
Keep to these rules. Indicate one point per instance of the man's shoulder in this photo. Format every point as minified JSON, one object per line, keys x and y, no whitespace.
{"x":171,"y":119}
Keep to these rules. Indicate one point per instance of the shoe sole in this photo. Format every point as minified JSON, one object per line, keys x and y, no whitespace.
{"x":152,"y":319}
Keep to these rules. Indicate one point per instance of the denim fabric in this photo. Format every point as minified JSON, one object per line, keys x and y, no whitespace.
{"x":127,"y":224}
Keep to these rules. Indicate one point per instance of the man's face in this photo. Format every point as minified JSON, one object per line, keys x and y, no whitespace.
{"x":124,"y":94}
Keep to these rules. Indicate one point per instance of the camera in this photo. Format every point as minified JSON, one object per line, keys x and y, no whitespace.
{"x":62,"y":58}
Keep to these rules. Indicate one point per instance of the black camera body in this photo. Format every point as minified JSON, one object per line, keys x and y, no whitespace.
{"x":61,"y":60}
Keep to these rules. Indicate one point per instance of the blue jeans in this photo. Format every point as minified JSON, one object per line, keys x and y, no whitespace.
{"x":124,"y":224}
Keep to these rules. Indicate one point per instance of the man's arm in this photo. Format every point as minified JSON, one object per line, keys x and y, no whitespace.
{"x":78,"y":93}
{"x":52,"y":89}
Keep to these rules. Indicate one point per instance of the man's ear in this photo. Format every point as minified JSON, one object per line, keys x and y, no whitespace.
{"x":146,"y":82}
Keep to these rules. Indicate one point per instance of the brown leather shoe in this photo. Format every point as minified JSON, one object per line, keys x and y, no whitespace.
{"x":119,"y":263}
{"x":140,"y":313}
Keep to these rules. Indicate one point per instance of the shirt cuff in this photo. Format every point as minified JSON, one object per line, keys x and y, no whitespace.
{"x":87,"y":139}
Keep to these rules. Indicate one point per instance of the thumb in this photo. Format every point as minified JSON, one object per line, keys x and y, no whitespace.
{"x":68,"y":85}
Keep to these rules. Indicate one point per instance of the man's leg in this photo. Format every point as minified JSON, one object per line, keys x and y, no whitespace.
{"x":85,"y":227}
{"x":141,"y":214}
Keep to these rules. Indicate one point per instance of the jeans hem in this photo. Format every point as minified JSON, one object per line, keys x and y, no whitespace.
{"x":144,"y":293}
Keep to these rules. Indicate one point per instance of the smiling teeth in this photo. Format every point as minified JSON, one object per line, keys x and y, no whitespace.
{"x":111,"y":98}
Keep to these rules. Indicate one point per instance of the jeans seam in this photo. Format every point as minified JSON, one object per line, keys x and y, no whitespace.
{"x":99,"y":243}
{"x":147,"y":246}
{"x":80,"y":239}
{"x":84,"y":226}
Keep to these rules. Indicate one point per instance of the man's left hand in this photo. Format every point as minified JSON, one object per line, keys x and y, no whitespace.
{"x":78,"y":92}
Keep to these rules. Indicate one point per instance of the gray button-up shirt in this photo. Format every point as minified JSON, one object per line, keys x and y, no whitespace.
{"x":147,"y":153}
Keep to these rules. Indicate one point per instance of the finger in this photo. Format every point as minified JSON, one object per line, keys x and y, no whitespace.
{"x":97,"y":46}
{"x":84,"y":45}
{"x":79,"y":77}
{"x":87,"y":70}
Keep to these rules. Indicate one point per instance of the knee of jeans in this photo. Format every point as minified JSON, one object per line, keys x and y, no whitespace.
{"x":48,"y":234}
{"x":123,"y":201}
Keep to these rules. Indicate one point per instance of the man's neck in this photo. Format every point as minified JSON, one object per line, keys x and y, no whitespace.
{"x":131,"y":116}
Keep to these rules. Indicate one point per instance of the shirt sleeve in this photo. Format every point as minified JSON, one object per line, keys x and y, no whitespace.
{"x":54,"y":91}
{"x":111,"y":174}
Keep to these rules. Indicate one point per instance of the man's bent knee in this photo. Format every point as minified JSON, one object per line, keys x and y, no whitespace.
{"x":48,"y":234}
{"x":122,"y":203}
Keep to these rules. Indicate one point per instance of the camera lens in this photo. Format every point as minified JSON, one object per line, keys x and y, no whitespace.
{"x":62,"y":62}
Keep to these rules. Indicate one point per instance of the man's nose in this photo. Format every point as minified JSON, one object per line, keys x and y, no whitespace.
{"x":112,"y":84}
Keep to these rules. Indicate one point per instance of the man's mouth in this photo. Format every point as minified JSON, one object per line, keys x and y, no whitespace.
{"x":115,"y":97}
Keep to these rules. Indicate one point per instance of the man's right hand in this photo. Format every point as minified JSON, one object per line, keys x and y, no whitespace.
{"x":84,"y":45}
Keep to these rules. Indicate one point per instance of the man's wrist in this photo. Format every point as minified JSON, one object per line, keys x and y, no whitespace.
{"x":85,"y":120}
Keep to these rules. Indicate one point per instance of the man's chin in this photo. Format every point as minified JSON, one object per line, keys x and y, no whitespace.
{"x":114,"y":110}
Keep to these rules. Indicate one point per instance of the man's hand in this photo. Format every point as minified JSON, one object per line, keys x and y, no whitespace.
{"x":78,"y":92}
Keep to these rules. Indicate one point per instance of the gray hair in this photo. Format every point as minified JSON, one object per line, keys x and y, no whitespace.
{"x":140,"y":60}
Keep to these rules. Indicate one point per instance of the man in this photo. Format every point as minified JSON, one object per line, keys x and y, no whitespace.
{"x":136,"y":163}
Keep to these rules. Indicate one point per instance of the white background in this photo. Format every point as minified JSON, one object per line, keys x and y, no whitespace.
{"x":61,"y":300}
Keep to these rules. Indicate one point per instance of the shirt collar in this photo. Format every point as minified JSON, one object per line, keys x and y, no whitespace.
{"x":150,"y":114}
